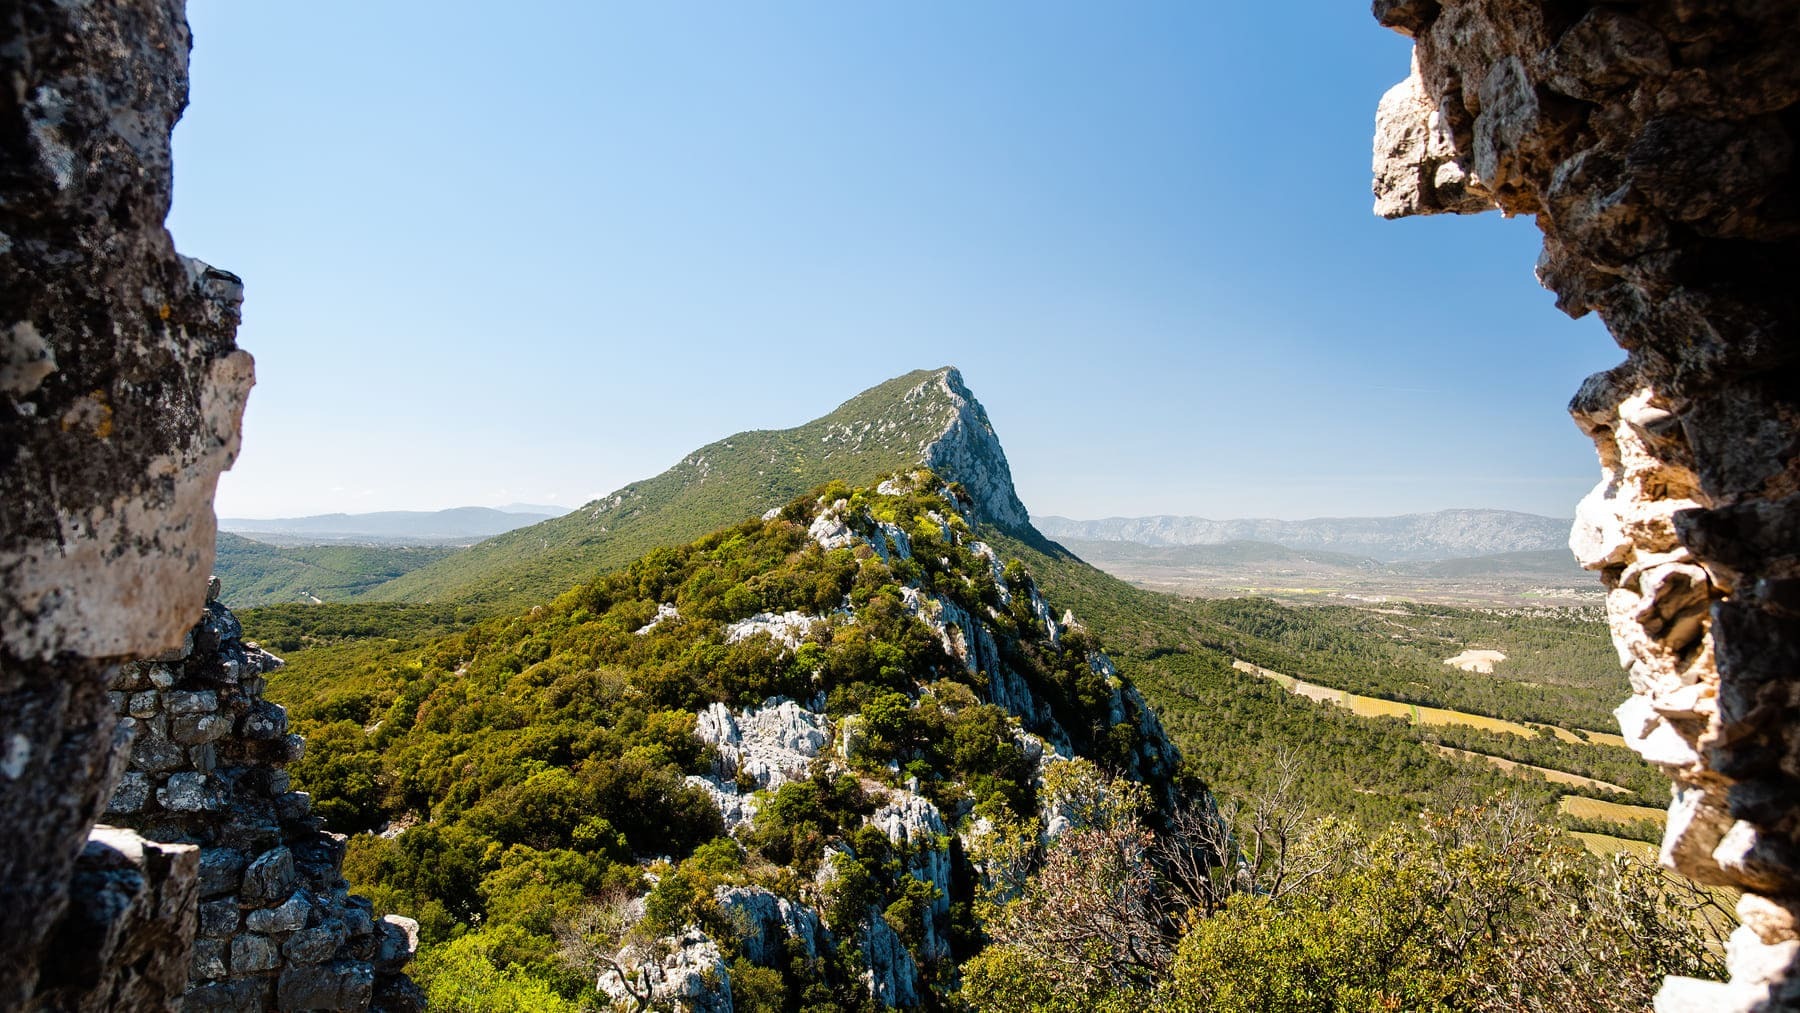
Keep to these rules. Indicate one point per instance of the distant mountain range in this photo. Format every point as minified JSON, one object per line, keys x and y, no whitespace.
{"x":421,"y":526}
{"x":1446,"y":534}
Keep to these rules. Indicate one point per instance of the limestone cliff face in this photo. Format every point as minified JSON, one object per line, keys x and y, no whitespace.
{"x":969,"y":452}
{"x":121,"y":389}
{"x":1655,"y":145}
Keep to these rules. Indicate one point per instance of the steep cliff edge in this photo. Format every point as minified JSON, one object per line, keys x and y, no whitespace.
{"x":1655,"y":145}
{"x":121,"y":390}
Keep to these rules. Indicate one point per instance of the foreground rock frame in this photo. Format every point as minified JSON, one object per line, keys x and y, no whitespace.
{"x":122,"y":390}
{"x":1654,"y":143}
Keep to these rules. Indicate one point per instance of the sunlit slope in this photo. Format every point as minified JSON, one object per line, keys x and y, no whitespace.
{"x":884,"y":429}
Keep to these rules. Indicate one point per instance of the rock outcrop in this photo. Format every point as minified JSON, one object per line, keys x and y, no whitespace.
{"x":969,"y":451}
{"x":121,"y":389}
{"x":1655,"y":145}
{"x":277,"y":927}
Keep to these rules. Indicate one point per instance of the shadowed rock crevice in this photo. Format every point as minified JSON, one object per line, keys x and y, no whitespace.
{"x":1655,"y":145}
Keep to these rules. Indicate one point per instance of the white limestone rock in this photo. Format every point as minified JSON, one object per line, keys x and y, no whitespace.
{"x":767,"y":920}
{"x":687,"y":971}
{"x":770,"y":745}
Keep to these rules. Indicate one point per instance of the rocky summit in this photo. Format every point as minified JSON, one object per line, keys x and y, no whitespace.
{"x":926,"y":418}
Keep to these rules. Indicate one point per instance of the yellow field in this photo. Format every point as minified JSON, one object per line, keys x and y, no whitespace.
{"x":1370,"y":706}
{"x":1604,"y":738}
{"x":1375,"y":707}
{"x":1556,"y":776}
{"x":1595,"y":809}
{"x":1606,"y":844}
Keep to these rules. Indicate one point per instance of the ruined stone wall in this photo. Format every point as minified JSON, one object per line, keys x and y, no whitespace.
{"x":1654,"y":143}
{"x":277,"y":927}
{"x":121,"y":390}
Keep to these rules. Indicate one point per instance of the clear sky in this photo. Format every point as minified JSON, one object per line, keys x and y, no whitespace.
{"x":534,"y":251}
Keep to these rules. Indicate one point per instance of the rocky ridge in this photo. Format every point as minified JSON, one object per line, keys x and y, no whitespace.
{"x":761,"y":748}
{"x":927,"y":417}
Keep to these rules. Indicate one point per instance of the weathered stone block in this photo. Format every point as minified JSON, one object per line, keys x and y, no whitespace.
{"x":264,"y":721}
{"x":219,"y":918}
{"x":398,"y":941}
{"x":131,"y":795}
{"x":252,"y":953}
{"x":221,"y":871}
{"x":315,"y":945}
{"x":289,"y":916}
{"x":294,"y":806}
{"x":209,"y":960}
{"x":194,"y":729}
{"x":238,"y":996}
{"x":189,"y":792}
{"x":203,"y":701}
{"x":270,"y":878}
{"x":154,"y":751}
{"x":144,"y":704}
{"x":341,"y":985}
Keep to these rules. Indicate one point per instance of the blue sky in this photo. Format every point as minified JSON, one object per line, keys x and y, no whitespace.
{"x":536,"y":252}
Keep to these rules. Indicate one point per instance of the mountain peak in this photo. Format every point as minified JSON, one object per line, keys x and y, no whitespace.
{"x":925,"y":418}
{"x":969,"y":452}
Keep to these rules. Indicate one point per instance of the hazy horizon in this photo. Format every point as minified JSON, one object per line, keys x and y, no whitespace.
{"x":641,"y":229}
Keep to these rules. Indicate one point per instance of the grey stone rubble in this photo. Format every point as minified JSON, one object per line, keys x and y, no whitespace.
{"x":276,"y":925}
{"x":1655,"y":144}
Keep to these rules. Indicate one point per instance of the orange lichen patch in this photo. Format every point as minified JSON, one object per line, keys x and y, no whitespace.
{"x":91,"y":414}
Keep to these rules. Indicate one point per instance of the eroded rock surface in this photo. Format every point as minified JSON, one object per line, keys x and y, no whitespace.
{"x":121,"y":389}
{"x":1655,"y":145}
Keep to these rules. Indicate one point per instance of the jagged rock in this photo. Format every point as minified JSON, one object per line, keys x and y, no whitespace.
{"x":889,"y":971}
{"x":767,"y":921}
{"x":969,"y":451}
{"x":786,"y":629}
{"x":125,"y":940}
{"x":1655,"y":143}
{"x":917,"y":829}
{"x":688,"y":970}
{"x":770,"y":745}
{"x":399,"y":940}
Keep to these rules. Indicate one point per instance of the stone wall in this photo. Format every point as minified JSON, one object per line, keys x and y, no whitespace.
{"x":278,"y":928}
{"x":121,"y":390}
{"x":1654,"y":143}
